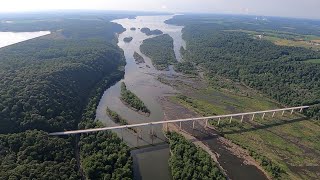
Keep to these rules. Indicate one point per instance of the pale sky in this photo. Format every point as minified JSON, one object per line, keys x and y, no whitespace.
{"x":290,"y":8}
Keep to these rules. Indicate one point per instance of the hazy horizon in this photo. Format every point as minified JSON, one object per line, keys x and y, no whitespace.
{"x":284,"y":8}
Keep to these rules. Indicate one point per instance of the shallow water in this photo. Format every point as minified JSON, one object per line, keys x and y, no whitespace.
{"x":150,"y":161}
{"x":9,"y":38}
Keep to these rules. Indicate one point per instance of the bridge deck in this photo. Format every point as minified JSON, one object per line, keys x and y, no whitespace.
{"x":174,"y":121}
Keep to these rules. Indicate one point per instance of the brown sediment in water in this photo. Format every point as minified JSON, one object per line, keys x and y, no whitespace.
{"x":138,"y":58}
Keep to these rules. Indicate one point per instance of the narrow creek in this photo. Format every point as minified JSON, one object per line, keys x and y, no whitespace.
{"x":150,"y":162}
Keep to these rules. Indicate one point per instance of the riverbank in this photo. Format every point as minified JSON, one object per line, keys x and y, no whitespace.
{"x":141,"y":79}
{"x":233,"y":161}
{"x":259,"y":138}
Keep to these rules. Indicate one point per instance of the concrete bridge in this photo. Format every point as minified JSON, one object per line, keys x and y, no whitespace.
{"x":218,"y":118}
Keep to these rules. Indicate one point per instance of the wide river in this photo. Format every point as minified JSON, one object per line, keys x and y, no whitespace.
{"x":150,"y":162}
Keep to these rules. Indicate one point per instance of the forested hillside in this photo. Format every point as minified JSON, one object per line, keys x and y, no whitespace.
{"x":51,"y":85}
{"x":160,"y":50}
{"x":278,"y":71}
{"x":44,"y":81}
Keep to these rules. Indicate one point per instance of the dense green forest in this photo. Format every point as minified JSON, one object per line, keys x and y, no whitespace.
{"x":44,"y":81}
{"x":190,"y":162}
{"x":104,"y":156}
{"x":132,"y":100}
{"x":160,"y":50}
{"x":72,"y":25}
{"x":50,"y":84}
{"x":148,"y":32}
{"x":278,"y":71}
{"x":260,"y":24}
{"x":35,"y":155}
{"x":186,"y":67}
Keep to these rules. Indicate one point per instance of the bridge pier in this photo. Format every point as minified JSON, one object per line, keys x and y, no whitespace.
{"x":242,"y":118}
{"x":230,"y":120}
{"x":151,"y":133}
{"x":291,"y":111}
{"x":263,"y":115}
{"x":252,"y":117}
{"x":273,"y":114}
{"x":206,"y":125}
{"x":121,"y":134}
{"x":193,"y":124}
{"x":137,"y":140}
{"x":301,"y":109}
{"x":219,"y":121}
{"x":180,"y":127}
{"x":152,"y":130}
{"x":282,"y":113}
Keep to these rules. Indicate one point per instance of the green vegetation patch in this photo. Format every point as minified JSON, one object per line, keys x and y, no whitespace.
{"x":36,"y":155}
{"x":315,"y":61}
{"x":160,"y":50}
{"x":148,"y":32}
{"x":127,"y":39}
{"x":190,"y":162}
{"x":138,"y":58}
{"x":132,"y":100}
{"x":186,"y":67}
{"x":105,"y":156}
{"x":116,"y":117}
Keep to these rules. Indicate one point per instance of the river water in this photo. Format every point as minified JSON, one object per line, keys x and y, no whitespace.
{"x":9,"y":38}
{"x":150,"y":162}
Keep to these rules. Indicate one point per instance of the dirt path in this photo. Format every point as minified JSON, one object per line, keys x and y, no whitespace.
{"x":235,"y":161}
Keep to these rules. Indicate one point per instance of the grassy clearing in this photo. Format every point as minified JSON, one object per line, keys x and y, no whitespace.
{"x":290,"y":142}
{"x":287,"y":39}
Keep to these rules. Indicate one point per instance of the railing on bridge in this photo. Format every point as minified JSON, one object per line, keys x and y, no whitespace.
{"x":217,"y":117}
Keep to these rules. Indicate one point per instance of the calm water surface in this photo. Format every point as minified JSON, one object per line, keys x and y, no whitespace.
{"x":149,"y":162}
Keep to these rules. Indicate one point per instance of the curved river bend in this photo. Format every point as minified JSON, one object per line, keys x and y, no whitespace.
{"x":150,"y":162}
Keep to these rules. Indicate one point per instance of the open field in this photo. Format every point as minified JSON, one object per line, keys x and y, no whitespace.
{"x":283,"y":38}
{"x":290,"y":141}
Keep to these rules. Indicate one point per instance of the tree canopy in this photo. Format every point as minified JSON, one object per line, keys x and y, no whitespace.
{"x":278,"y":71}
{"x":54,"y":83}
{"x":190,"y":162}
{"x":160,"y":50}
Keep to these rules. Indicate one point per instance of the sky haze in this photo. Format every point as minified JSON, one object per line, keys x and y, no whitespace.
{"x":286,"y":8}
